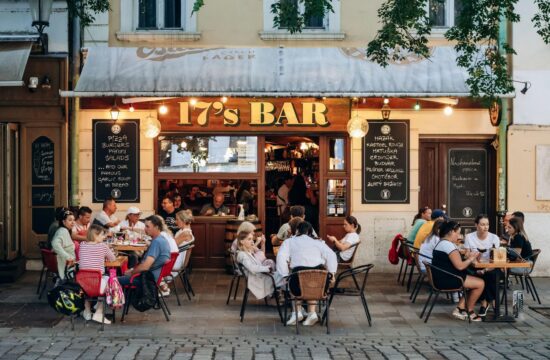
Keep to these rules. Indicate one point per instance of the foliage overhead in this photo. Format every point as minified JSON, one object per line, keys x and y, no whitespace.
{"x":406,"y":26}
{"x":86,"y":9}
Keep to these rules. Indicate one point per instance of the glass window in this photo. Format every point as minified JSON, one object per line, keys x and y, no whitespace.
{"x":166,"y":14}
{"x":437,"y":13}
{"x":208,"y":154}
{"x":147,"y":14}
{"x":312,"y":22}
{"x":337,"y":198}
{"x":172,"y":13}
{"x":337,"y":154}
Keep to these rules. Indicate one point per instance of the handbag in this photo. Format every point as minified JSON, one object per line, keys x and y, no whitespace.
{"x":114,"y":294}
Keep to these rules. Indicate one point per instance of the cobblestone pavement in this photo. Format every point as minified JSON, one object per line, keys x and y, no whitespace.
{"x":206,"y":328}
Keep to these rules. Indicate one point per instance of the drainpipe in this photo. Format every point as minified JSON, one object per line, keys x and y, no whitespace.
{"x":73,"y":128}
{"x":502,"y":135}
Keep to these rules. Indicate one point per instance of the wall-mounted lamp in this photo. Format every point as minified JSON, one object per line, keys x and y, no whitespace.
{"x":40,"y":12}
{"x":150,"y":127}
{"x":417,"y":106}
{"x":386,"y":111}
{"x":33,"y":83}
{"x":358,"y":127}
{"x":115,"y":111}
{"x":526,"y":86}
{"x":46,"y":82}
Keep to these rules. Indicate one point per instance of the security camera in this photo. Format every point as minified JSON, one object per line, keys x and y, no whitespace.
{"x":33,"y":83}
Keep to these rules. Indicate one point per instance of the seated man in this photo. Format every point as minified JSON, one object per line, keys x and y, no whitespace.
{"x":82,"y":223}
{"x":168,"y":213}
{"x":216,"y":208}
{"x":157,"y":254}
{"x":107,"y":218}
{"x":284,"y":230}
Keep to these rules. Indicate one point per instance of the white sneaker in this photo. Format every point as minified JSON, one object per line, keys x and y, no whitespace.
{"x":97,"y":318}
{"x":165,"y":293}
{"x":460,"y":314}
{"x":455,"y":297}
{"x":292,"y":320}
{"x":87,"y":315}
{"x":311,"y":319}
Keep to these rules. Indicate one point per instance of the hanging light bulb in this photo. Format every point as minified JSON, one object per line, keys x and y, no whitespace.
{"x":303,"y":146}
{"x":150,"y":127}
{"x":386,"y":101}
{"x":163,"y":109}
{"x":448,"y":110}
{"x":357,"y":126}
{"x":183,"y":145}
{"x":193,"y":101}
{"x":224,"y":99}
{"x":417,"y":106}
{"x":131,"y":109}
{"x":115,"y":111}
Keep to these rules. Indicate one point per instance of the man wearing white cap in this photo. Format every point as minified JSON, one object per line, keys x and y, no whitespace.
{"x":132,"y":222}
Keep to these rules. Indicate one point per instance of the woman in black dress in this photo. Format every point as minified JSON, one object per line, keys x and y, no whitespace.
{"x":446,"y":256}
{"x":519,"y":243}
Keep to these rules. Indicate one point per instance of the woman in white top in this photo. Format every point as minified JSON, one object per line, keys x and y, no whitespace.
{"x":184,"y":236}
{"x":425,"y":253}
{"x":258,"y":283}
{"x":302,"y":252}
{"x":483,"y":241}
{"x":62,"y":243}
{"x":352,"y":229}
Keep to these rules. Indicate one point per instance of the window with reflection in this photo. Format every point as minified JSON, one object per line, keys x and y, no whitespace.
{"x":208,"y":154}
{"x":337,"y":198}
{"x":337,"y":154}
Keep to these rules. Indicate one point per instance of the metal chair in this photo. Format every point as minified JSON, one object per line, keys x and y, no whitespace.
{"x":182,"y":274}
{"x":358,"y":288}
{"x":407,"y":251}
{"x":90,"y":282}
{"x":404,"y":259}
{"x":49,"y":269}
{"x":246,"y":292}
{"x":420,"y":280}
{"x":313,"y":287}
{"x":349,"y":263}
{"x":529,"y":284}
{"x":430,"y":269}
{"x":237,"y":275}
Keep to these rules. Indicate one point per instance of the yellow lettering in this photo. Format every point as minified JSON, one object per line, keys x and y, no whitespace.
{"x":288,"y":113}
{"x":261,"y":113}
{"x":203,"y":116}
{"x":231,"y":117}
{"x":315,"y":113}
{"x":184,"y":114}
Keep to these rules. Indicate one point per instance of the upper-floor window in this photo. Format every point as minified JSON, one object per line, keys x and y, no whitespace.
{"x":444,"y":13}
{"x":328,"y":22}
{"x":161,"y":14}
{"x":311,"y":22}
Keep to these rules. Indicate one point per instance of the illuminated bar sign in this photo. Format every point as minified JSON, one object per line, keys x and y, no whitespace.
{"x":251,"y":114}
{"x":116,"y":160}
{"x":386,"y":163}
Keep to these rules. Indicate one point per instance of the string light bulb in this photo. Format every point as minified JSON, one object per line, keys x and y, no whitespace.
{"x":163,"y":109}
{"x":193,"y":101}
{"x":448,"y":110}
{"x":417,"y":106}
{"x":131,"y":108}
{"x":386,"y":101}
{"x":224,"y":99}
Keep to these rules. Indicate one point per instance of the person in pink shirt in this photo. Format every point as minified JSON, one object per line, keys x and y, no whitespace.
{"x":93,"y":253}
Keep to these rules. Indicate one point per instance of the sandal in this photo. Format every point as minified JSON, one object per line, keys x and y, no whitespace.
{"x":460,"y":314}
{"x":474,"y":317}
{"x":483,"y":311}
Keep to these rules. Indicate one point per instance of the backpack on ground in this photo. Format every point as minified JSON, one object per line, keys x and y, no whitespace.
{"x":114,"y":294}
{"x":145,"y":294}
{"x":67,"y":298}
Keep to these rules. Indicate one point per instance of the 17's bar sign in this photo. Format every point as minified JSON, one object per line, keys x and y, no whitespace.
{"x":273,"y":115}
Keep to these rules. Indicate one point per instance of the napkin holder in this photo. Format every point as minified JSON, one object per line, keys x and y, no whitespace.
{"x":499,"y":255}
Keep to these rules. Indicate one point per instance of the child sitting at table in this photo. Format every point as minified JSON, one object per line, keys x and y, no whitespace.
{"x":93,"y":253}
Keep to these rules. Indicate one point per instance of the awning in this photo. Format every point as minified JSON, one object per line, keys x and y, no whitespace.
{"x":13,"y":60}
{"x":288,"y":72}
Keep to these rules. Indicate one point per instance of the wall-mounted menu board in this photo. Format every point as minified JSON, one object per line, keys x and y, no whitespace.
{"x":42,"y":161}
{"x":116,"y":160}
{"x":386,"y":163}
{"x":467,"y":183}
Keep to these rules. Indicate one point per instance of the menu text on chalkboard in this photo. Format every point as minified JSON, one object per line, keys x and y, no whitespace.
{"x":116,"y":160}
{"x":386,"y":162}
{"x":42,"y":161}
{"x":467,"y":183}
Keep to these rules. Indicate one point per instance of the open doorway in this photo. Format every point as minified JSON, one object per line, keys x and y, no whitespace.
{"x":291,"y":178}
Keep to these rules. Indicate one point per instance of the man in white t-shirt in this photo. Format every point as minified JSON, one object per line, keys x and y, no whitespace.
{"x":282,"y":194}
{"x":106,"y":217}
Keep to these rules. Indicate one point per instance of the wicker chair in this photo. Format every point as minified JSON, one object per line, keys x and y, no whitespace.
{"x":430,"y":269}
{"x":313,"y":287}
{"x":90,"y":282}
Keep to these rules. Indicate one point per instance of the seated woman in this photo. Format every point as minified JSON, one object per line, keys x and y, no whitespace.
{"x":344,"y":246}
{"x":424,"y":214}
{"x":427,"y":247}
{"x":302,"y":252}
{"x":519,"y":244}
{"x":62,"y":243}
{"x":258,"y":242}
{"x":184,"y":236}
{"x":93,"y":253}
{"x":259,"y":284}
{"x":483,"y":241}
{"x":447,"y":257}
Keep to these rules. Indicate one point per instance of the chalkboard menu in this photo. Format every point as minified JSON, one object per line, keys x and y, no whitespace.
{"x":386,"y":162}
{"x":467,"y":183}
{"x":42,"y":161}
{"x":116,"y":160}
{"x":43,"y":196}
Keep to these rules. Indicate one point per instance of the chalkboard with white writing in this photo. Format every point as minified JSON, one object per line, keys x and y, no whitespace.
{"x":42,"y":161}
{"x":386,"y":163}
{"x":467,"y":183}
{"x":116,"y":160}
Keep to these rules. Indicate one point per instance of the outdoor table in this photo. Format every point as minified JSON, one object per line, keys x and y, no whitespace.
{"x":121,"y":263}
{"x":130,"y":247}
{"x":505,"y":266}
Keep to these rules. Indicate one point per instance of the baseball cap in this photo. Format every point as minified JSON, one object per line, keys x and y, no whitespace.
{"x":437,"y":213}
{"x":133,"y":210}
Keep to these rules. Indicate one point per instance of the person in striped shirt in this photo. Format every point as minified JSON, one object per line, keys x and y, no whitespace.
{"x":92,"y":255}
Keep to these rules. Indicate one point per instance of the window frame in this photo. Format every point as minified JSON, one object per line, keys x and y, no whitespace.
{"x":449,"y":16}
{"x":131,"y":23}
{"x":331,"y":20}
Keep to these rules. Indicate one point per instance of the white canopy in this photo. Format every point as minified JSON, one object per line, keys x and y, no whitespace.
{"x":292,"y":72}
{"x":13,"y":60}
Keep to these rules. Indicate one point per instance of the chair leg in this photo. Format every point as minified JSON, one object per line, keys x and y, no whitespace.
{"x":366,"y":307}
{"x":276,"y":296}
{"x":417,"y":291}
{"x":296,"y":314}
{"x":236,"y":287}
{"x":410,"y":278}
{"x":426,"y":304}
{"x":45,"y":283}
{"x":185,"y":288}
{"x":529,"y":290}
{"x":528,"y":278}
{"x":400,"y":271}
{"x":431,"y":307}
{"x":327,"y":311}
{"x":417,"y":282}
{"x":175,"y":286}
{"x":521,"y":281}
{"x":243,"y":305}
{"x":40,"y":280}
{"x":127,"y":296}
{"x":188,"y":283}
{"x":230,"y":290}
{"x":405,"y":272}
{"x":103,"y":303}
